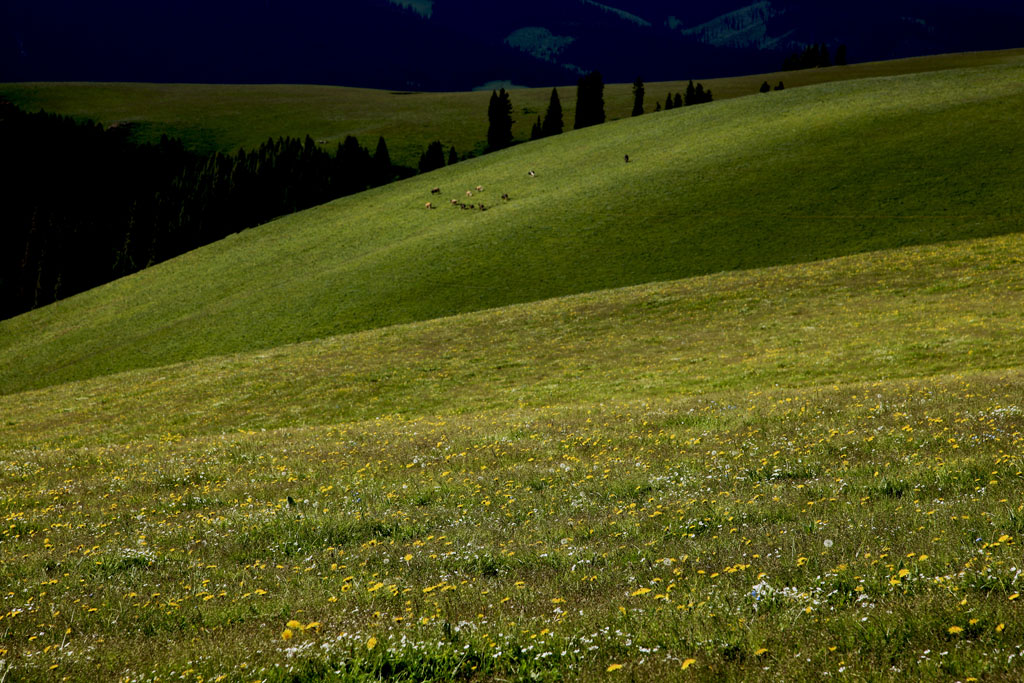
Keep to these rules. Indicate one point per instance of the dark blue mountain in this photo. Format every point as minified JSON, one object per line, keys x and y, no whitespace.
{"x":460,"y":44}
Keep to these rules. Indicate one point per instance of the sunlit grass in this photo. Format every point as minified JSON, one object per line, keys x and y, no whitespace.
{"x":795,"y":176}
{"x":789,"y":473}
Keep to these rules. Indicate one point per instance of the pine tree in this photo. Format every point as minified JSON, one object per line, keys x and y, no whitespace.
{"x":537,"y":132}
{"x":638,"y":97}
{"x":691,"y":95}
{"x":841,"y":55}
{"x":780,"y":86}
{"x":657,"y":106}
{"x":823,"y":58}
{"x":553,"y":118}
{"x":765,"y":87}
{"x":699,"y":96}
{"x":678,"y":101}
{"x":499,"y":117}
{"x":589,"y":100}
{"x":432,"y":158}
{"x":382,"y":171}
{"x":668,"y":102}
{"x":453,"y":156}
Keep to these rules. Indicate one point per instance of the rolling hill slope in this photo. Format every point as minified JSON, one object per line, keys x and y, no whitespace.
{"x":794,"y":176}
{"x":923,"y":311}
{"x":224,"y":118}
{"x":803,"y":456}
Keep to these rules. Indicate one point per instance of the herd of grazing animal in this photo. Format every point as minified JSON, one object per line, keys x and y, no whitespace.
{"x":469,"y":193}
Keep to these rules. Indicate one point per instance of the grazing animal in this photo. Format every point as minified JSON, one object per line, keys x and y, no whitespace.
{"x":479,"y":188}
{"x":469,"y":193}
{"x":627,"y":158}
{"x":429,"y":205}
{"x":483,"y":208}
{"x":505,"y":196}
{"x":454,"y":202}
{"x":436,"y":190}
{"x":532,"y":174}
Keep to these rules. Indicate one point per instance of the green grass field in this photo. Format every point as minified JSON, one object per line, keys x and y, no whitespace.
{"x":794,"y":472}
{"x":748,"y":408}
{"x":793,"y":176}
{"x":223,"y":118}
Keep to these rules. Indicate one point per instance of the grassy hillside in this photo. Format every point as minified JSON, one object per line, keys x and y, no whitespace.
{"x":777,"y":473}
{"x":223,"y":118}
{"x":794,"y":176}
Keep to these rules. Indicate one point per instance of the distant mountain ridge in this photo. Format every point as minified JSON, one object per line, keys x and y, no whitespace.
{"x":460,"y":44}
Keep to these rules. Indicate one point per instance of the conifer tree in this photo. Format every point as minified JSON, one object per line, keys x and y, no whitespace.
{"x":765,"y":87}
{"x":382,"y":157}
{"x":432,"y":158}
{"x":841,"y":55}
{"x":691,"y":95}
{"x":638,"y":97}
{"x":553,"y":124}
{"x":382,"y":171}
{"x":499,"y":117}
{"x":780,"y":86}
{"x":537,"y":132}
{"x":453,"y":156}
{"x":678,"y":101}
{"x":668,"y":102}
{"x":589,"y":100}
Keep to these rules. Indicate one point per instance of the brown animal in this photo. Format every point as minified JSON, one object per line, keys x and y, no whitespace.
{"x":469,"y":193}
{"x":505,"y":197}
{"x":479,"y":188}
{"x":454,"y":202}
{"x":436,"y":190}
{"x":429,"y":205}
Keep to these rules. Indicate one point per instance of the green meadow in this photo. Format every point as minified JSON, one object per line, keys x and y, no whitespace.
{"x":749,"y":407}
{"x":795,"y":472}
{"x":212,"y":118}
{"x":793,"y":176}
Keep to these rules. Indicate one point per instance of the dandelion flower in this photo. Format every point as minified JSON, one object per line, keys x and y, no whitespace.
{"x":286,"y":634}
{"x":1014,"y":596}
{"x":294,"y":624}
{"x":371,"y":643}
{"x":688,"y":663}
{"x":613,"y":667}
{"x":955,"y":629}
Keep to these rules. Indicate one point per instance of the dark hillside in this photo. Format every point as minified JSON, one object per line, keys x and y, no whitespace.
{"x":463,"y":44}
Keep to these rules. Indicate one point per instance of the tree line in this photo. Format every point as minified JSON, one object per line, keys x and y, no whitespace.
{"x":589,"y":109}
{"x":86,"y":205}
{"x":814,"y":56}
